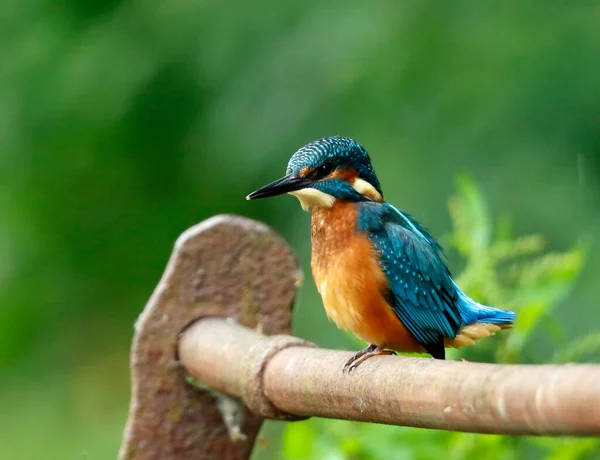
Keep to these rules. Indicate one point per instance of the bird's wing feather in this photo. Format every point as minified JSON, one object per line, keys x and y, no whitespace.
{"x":422,"y":293}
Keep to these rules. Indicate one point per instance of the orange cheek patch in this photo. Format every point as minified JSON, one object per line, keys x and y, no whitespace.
{"x":305,"y":171}
{"x":347,"y":174}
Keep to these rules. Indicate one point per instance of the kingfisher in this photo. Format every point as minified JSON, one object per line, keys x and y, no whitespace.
{"x":380,"y":273}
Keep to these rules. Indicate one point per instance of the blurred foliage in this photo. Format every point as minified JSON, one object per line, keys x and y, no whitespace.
{"x":515,"y":273}
{"x":124,"y":122}
{"x":500,"y":268}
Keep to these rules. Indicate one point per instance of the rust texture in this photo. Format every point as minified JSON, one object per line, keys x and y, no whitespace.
{"x":448,"y":395}
{"x":245,"y":356}
{"x":230,"y":267}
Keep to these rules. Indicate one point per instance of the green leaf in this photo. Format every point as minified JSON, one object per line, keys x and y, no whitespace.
{"x":475,"y":229}
{"x":298,"y":440}
{"x":578,"y":349}
{"x":573,"y":449}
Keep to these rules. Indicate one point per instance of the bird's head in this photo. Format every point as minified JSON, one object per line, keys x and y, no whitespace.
{"x":326,"y":170}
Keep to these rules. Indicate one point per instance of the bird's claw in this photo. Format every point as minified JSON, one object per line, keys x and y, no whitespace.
{"x":363,"y":355}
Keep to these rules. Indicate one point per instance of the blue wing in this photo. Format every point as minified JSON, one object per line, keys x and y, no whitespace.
{"x":422,"y":292}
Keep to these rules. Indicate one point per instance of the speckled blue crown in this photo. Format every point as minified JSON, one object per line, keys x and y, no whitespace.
{"x":341,"y":151}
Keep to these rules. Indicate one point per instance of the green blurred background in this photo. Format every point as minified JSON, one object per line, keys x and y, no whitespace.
{"x":124,"y":122}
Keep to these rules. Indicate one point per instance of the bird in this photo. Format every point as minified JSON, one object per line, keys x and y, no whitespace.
{"x":380,"y":273}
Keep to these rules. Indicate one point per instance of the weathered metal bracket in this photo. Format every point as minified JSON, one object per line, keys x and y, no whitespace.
{"x":227,"y":266}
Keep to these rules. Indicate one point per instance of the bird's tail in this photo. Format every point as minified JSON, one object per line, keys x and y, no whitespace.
{"x":478,"y":321}
{"x":483,"y":314}
{"x":474,"y":312}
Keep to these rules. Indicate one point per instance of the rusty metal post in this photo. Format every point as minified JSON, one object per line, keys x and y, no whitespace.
{"x":228,"y":267}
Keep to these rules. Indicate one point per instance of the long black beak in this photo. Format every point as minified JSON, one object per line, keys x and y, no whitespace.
{"x":279,"y":187}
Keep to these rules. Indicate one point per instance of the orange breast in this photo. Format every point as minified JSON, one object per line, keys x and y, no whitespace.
{"x":351,"y":282}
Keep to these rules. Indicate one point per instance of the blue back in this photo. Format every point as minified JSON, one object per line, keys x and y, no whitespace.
{"x":421,"y":289}
{"x":422,"y":292}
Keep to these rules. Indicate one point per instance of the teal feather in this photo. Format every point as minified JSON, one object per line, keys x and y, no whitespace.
{"x":422,"y":292}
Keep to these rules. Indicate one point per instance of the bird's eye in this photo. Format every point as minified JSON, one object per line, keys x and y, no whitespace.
{"x":322,"y":171}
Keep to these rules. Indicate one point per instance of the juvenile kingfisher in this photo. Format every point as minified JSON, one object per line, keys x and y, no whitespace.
{"x":380,"y":273}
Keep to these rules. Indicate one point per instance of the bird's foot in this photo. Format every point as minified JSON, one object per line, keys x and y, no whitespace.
{"x":363,"y":355}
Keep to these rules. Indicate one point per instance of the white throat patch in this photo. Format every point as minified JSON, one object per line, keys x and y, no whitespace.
{"x":313,"y":198}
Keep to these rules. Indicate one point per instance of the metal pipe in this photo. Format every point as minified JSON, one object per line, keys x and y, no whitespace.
{"x":295,"y":380}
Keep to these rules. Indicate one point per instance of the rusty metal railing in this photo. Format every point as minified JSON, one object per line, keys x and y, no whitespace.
{"x":221,"y":314}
